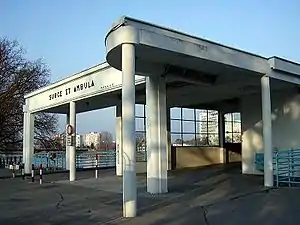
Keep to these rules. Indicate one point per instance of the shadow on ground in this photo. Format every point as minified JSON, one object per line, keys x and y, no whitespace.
{"x":212,"y":195}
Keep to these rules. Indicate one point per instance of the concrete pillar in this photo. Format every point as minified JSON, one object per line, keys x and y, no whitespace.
{"x":157,"y":160}
{"x":67,"y":147}
{"x":267,"y":131}
{"x":222,"y":137}
{"x":72,"y":149}
{"x":119,"y":149}
{"x":128,"y":130}
{"x":28,"y":139}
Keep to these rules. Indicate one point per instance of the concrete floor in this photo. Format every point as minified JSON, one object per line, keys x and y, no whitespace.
{"x":215,"y":195}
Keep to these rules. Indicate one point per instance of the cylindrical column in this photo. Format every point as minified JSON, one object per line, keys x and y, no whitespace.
{"x":157,"y":140}
{"x":152,"y":130}
{"x":72,"y":148}
{"x":267,"y":131}
{"x":128,"y":130}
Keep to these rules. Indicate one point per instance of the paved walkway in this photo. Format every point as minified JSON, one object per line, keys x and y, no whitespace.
{"x":217,"y":195}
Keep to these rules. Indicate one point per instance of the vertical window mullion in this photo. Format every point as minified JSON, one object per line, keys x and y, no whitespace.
{"x":181,"y":126}
{"x":232,"y":127}
{"x":207,"y":142}
{"x":195,"y":134}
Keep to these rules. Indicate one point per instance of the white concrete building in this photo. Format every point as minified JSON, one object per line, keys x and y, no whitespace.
{"x":92,"y":138}
{"x":164,"y":68}
{"x":79,"y":140}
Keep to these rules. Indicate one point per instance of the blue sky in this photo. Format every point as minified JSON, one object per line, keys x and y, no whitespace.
{"x":69,"y":35}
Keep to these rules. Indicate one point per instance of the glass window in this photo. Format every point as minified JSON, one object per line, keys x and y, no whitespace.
{"x":188,"y":139}
{"x":228,"y":126}
{"x":194,"y":127}
{"x":201,"y":139}
{"x":139,"y":110}
{"x":212,"y":115}
{"x":176,"y":126}
{"x":213,"y":139}
{"x":213,"y":127}
{"x":228,"y":137}
{"x":140,"y":128}
{"x":176,"y":139}
{"x":175,"y":113}
{"x":227,"y":117}
{"x":236,"y":117}
{"x":140,"y":139}
{"x":236,"y":127}
{"x":188,"y":114}
{"x":201,"y":127}
{"x":188,"y":127}
{"x":139,"y":124}
{"x":201,"y":114}
{"x":236,"y":138}
{"x":233,"y":131}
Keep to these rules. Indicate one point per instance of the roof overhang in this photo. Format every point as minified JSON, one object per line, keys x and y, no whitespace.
{"x":198,"y":72}
{"x":157,"y":47}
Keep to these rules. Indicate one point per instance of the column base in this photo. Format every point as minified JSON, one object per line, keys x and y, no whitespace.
{"x":157,"y":186}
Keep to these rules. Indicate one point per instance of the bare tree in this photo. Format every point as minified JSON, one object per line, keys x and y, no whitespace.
{"x":140,"y":141}
{"x":106,"y":140}
{"x":19,"y":76}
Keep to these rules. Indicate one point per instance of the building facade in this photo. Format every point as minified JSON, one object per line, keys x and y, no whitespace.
{"x":79,"y":140}
{"x":92,"y":139}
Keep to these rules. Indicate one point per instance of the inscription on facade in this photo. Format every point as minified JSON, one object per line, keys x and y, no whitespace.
{"x":77,"y":88}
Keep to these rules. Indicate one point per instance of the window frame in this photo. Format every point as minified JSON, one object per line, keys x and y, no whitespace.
{"x":232,"y":132}
{"x":196,"y":132}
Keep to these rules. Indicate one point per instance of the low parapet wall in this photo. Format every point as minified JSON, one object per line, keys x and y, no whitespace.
{"x":198,"y":156}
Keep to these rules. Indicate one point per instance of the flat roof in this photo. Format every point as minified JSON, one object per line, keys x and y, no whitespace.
{"x":125,"y":20}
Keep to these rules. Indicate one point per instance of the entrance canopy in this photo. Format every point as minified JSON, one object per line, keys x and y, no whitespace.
{"x":158,"y":48}
{"x":212,"y":73}
{"x":94,"y":88}
{"x":164,"y":68}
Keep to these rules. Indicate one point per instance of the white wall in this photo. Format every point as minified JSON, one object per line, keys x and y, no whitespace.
{"x":285,"y":125}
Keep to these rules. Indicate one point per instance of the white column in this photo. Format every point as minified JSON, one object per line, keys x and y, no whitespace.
{"x":67,"y":147}
{"x":72,"y":149}
{"x":119,"y":149}
{"x":221,"y":137}
{"x":128,"y":130}
{"x":157,"y":160}
{"x":267,"y":131}
{"x":28,"y":139}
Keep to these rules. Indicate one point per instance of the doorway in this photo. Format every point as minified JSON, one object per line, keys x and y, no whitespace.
{"x":233,"y":137}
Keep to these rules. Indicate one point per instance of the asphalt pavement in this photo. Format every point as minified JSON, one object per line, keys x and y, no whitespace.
{"x":212,"y":195}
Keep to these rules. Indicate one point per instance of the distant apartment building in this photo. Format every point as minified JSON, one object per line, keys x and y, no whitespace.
{"x":92,"y":138}
{"x":207,"y":127}
{"x":208,"y":122}
{"x":79,"y":140}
